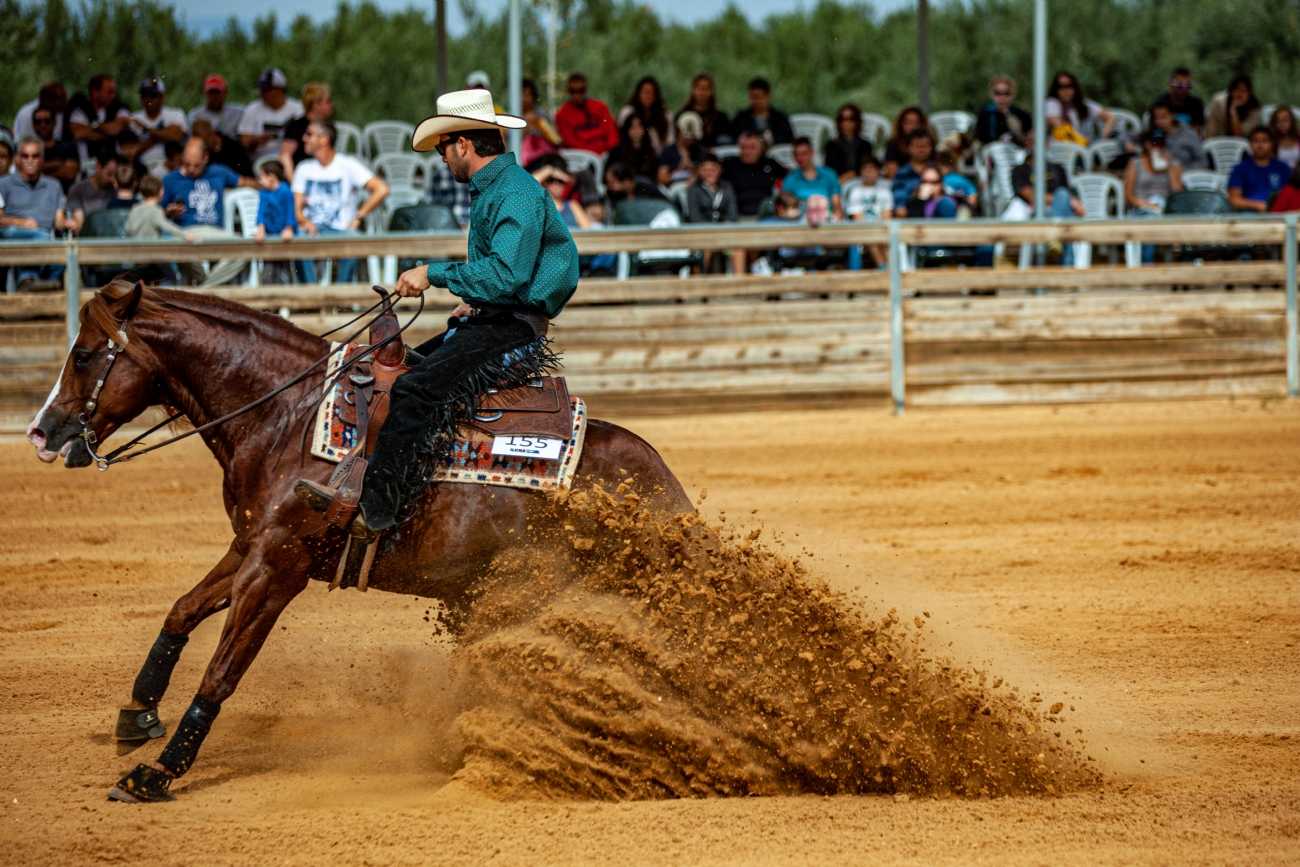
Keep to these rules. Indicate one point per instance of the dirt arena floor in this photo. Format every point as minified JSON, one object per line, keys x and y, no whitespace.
{"x":1137,"y":561}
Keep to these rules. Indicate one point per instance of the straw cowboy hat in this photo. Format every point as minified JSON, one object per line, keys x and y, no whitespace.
{"x":461,"y":110}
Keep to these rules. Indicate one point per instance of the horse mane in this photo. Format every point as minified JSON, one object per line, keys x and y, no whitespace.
{"x":155,"y":302}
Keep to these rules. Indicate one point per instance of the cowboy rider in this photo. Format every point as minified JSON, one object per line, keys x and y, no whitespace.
{"x":521,"y":271}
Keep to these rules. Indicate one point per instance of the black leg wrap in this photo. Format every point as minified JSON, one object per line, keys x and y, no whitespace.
{"x":139,"y":725}
{"x":143,"y":785}
{"x":151,"y":682}
{"x":193,"y":728}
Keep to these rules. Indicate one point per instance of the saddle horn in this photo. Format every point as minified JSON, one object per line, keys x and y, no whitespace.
{"x":385,"y":325}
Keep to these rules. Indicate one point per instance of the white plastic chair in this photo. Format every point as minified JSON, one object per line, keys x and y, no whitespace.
{"x":243,"y":202}
{"x":261,"y":161}
{"x":1070,"y":156}
{"x":1102,"y":152}
{"x":1098,"y":193}
{"x":579,"y":160}
{"x":1267,"y":114}
{"x":817,"y":127}
{"x":386,"y":137}
{"x":350,"y":141}
{"x":402,"y":171}
{"x":946,"y":123}
{"x":997,"y":159}
{"x":677,"y":195}
{"x":850,"y":184}
{"x":87,"y":169}
{"x":1204,"y":179}
{"x":783,"y":154}
{"x":1126,"y":121}
{"x":723,"y":152}
{"x":1225,"y":152}
{"x":876,"y":128}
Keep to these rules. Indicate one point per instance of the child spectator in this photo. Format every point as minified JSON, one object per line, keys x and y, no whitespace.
{"x":677,"y":160}
{"x":870,"y":201}
{"x":1258,"y":176}
{"x":147,"y":220}
{"x":275,"y":216}
{"x":955,"y":184}
{"x":124,"y":181}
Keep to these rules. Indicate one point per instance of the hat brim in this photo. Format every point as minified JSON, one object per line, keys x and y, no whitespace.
{"x":431,"y":129}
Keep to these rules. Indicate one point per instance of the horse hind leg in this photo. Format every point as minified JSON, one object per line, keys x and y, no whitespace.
{"x":138,"y":722}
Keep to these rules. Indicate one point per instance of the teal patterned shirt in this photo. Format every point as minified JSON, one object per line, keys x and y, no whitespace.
{"x":520,"y":251}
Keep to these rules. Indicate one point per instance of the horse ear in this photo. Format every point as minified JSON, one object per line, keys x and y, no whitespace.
{"x":124,"y":308}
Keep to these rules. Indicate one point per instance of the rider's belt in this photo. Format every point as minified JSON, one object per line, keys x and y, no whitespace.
{"x":536,"y":319}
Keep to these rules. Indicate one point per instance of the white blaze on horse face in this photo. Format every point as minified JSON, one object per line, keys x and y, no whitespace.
{"x":36,"y":437}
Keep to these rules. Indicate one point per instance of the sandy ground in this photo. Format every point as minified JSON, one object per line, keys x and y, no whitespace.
{"x":1137,"y":561}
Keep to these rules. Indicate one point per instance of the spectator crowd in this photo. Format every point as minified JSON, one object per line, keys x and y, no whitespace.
{"x":69,"y":158}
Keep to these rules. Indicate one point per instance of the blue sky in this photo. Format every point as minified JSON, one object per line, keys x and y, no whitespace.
{"x":206,"y":15}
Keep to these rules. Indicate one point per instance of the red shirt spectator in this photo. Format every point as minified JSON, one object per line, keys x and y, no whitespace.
{"x":585,"y":123}
{"x":1288,"y":198}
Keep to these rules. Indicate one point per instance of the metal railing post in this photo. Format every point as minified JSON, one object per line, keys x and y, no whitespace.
{"x":1292,"y":315}
{"x":897,"y":381}
{"x":72,"y":288}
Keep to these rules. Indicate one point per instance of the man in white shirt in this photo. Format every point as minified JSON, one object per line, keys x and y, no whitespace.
{"x":96,"y":116}
{"x":54,"y":96}
{"x":224,"y":116}
{"x":157,"y":123}
{"x":325,"y":192}
{"x":262,"y":126}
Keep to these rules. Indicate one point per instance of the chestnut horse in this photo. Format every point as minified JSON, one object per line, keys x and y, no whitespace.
{"x":207,"y":357}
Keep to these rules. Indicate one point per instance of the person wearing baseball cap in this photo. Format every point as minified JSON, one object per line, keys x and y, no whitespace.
{"x":224,"y":116}
{"x":156,"y":123}
{"x":262,"y":126}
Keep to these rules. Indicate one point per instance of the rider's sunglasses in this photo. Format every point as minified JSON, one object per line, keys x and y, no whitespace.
{"x":441,"y":148}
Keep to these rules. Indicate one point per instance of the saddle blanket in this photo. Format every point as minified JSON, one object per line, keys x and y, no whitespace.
{"x":471,"y":460}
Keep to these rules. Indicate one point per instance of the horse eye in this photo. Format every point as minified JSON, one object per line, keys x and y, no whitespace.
{"x":82,"y":357}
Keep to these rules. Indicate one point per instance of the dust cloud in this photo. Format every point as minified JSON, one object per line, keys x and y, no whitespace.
{"x":619,"y":656}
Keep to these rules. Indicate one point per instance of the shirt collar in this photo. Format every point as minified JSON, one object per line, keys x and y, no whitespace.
{"x":484,"y":177}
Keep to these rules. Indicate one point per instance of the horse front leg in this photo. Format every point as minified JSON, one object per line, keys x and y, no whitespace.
{"x":138,"y":722}
{"x":260,"y":591}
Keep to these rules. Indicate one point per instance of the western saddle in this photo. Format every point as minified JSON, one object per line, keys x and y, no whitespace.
{"x":541,"y":409}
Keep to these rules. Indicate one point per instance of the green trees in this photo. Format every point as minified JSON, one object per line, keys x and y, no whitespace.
{"x":381,"y":64}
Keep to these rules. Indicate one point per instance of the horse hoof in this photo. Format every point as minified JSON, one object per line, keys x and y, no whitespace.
{"x":144,"y":785}
{"x":137,"y":727}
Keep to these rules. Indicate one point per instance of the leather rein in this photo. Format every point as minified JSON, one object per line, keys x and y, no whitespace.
{"x":123,"y":453}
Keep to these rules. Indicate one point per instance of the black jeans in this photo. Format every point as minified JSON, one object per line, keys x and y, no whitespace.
{"x":428,"y":401}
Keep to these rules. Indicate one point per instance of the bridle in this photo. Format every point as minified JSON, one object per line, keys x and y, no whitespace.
{"x":123,"y":453}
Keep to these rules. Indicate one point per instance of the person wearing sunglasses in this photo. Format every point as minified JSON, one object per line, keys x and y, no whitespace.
{"x":1187,"y":108}
{"x":33,"y":209}
{"x":583,"y":122}
{"x":1067,"y":105}
{"x":844,"y":153}
{"x":999,"y":120}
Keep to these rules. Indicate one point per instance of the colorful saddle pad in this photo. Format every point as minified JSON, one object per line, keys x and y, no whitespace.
{"x":471,"y":460}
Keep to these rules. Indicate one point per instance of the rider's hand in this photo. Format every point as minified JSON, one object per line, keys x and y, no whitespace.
{"x":412,"y":283}
{"x":462,"y":309}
